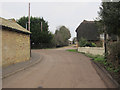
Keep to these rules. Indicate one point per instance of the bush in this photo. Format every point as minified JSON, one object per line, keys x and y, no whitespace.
{"x":114,"y":54}
{"x":83,"y":42}
{"x":91,"y":44}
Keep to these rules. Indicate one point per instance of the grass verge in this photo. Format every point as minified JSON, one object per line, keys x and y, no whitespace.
{"x":115,"y":72}
{"x":72,"y":50}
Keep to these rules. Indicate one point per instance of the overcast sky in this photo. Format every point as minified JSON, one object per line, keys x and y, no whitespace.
{"x":70,"y":14}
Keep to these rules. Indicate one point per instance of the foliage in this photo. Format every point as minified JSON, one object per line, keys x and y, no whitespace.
{"x":83,"y":42}
{"x":109,"y":22}
{"x":110,"y":17}
{"x":100,"y":59}
{"x":114,"y":54}
{"x":74,"y":40}
{"x":39,"y":38}
{"x":62,"y":35}
{"x":91,"y":44}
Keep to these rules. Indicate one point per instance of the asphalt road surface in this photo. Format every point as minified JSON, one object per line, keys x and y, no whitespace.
{"x":58,"y":69}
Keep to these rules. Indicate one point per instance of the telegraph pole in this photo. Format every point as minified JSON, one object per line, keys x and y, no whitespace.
{"x":29,"y":18}
{"x":29,"y":26}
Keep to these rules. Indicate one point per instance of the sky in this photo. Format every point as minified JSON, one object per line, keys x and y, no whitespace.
{"x":69,"y":14}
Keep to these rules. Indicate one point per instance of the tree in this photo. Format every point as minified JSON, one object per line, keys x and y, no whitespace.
{"x":110,"y":17}
{"x":39,"y":38}
{"x":61,"y":36}
{"x":110,"y":22}
{"x":74,"y":40}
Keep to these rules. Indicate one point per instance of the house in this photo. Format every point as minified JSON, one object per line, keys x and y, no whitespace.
{"x":15,"y":42}
{"x":89,"y":31}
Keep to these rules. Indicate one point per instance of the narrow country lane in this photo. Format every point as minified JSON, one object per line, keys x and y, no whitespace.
{"x":58,"y":69}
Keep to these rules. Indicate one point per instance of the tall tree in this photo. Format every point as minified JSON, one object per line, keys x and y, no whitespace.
{"x":39,"y":38}
{"x":62,"y":35}
{"x":109,"y":22}
{"x":110,"y":17}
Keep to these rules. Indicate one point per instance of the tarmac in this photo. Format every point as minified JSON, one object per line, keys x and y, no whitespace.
{"x":43,"y":59}
{"x":58,"y":68}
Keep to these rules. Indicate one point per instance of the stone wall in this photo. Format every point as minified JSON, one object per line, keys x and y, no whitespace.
{"x":0,"y":46}
{"x":92,"y":50}
{"x":15,"y":47}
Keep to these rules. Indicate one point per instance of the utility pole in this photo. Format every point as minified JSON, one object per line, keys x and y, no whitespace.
{"x":29,"y":18}
{"x":41,"y":27}
{"x":29,"y":26}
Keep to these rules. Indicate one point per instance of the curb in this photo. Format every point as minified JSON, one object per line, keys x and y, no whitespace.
{"x":21,"y":69}
{"x":105,"y":76}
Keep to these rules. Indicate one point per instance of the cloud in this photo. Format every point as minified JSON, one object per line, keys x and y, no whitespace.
{"x":70,"y":14}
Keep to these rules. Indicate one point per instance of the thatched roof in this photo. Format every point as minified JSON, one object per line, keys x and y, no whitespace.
{"x":88,"y":30}
{"x":12,"y":25}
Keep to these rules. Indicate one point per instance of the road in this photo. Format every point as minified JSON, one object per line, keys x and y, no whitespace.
{"x":58,"y":69}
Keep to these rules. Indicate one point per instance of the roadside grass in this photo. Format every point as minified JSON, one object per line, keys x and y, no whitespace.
{"x":115,"y":72}
{"x":72,"y":50}
{"x":99,"y":59}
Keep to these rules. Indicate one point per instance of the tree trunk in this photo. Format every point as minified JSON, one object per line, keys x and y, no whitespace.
{"x":105,"y":44}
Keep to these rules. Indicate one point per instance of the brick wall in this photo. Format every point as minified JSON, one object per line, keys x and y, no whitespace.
{"x":15,"y":47}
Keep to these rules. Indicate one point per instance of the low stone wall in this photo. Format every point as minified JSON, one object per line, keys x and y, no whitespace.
{"x":92,"y":50}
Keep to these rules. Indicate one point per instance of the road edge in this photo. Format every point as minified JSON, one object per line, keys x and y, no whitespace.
{"x":21,"y":69}
{"x":105,"y":76}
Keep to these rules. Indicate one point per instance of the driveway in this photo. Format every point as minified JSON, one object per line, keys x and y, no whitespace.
{"x":58,"y":69}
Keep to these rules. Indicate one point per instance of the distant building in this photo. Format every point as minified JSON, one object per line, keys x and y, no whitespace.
{"x":70,"y":42}
{"x":15,"y":42}
{"x":89,"y":31}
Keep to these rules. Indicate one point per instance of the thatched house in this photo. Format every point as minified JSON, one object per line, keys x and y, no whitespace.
{"x":15,"y":42}
{"x":88,"y":30}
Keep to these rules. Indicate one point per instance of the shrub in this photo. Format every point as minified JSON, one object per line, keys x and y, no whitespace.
{"x":114,"y":54}
{"x":93,"y":45}
{"x":83,"y":42}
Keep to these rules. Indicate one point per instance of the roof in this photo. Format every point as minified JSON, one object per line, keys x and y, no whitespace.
{"x":12,"y":25}
{"x":88,"y":30}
